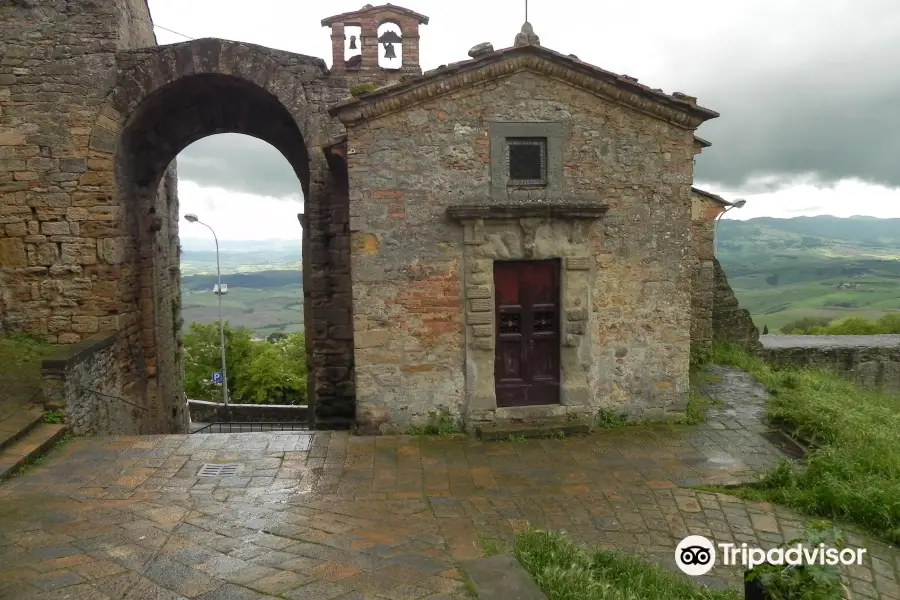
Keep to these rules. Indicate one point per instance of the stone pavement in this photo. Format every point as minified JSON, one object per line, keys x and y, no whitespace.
{"x":329,"y":515}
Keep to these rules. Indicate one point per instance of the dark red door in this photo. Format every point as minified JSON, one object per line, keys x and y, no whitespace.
{"x":526,"y":366}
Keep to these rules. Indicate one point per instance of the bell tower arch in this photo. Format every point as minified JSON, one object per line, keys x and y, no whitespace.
{"x":388,"y":44}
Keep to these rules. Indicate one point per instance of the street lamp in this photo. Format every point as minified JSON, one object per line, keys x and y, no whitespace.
{"x":739,"y":203}
{"x":192,"y":218}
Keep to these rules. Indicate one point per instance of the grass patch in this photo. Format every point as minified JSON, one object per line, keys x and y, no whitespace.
{"x":610,"y":420}
{"x":21,"y":357}
{"x":492,"y":547}
{"x":567,"y":571}
{"x":699,"y":403}
{"x":53,"y":417}
{"x":852,"y":473}
{"x":440,"y":422}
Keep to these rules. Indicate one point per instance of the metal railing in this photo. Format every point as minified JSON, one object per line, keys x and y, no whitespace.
{"x":251,"y":427}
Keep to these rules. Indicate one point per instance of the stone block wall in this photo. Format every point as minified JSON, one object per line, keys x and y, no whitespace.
{"x":409,"y":264}
{"x":872,"y":361}
{"x":328,"y":306}
{"x":83,"y":160}
{"x":67,"y":268}
{"x":703,"y":225}
{"x":85,"y":380}
{"x":731,"y":323}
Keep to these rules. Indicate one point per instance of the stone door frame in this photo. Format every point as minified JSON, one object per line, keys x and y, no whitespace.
{"x":577,"y":277}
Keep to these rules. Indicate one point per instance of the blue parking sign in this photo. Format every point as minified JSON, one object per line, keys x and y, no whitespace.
{"x":217,"y":377}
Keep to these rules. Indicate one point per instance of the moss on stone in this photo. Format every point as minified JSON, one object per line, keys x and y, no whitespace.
{"x":362,"y":89}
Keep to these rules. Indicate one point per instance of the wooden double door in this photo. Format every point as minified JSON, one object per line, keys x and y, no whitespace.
{"x":526,"y":365}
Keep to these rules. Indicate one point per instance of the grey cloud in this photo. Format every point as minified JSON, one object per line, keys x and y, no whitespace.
{"x":802,"y":87}
{"x":239,"y":163}
{"x":827,"y":104}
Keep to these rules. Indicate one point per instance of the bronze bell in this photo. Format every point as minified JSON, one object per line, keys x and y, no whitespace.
{"x":389,"y":38}
{"x":353,"y":42}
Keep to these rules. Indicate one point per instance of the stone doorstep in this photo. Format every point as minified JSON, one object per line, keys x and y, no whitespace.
{"x":501,"y":577}
{"x":18,"y":424}
{"x":34,"y":444}
{"x":531,"y":429}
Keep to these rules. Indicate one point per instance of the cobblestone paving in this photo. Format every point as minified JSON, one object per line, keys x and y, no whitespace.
{"x":364,"y":518}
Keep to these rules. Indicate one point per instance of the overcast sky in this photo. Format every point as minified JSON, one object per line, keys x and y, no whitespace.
{"x":808,"y":90}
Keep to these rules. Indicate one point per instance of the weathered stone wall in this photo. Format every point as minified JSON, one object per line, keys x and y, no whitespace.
{"x":85,"y":156}
{"x":872,"y":361}
{"x":703,"y":214}
{"x":58,"y":65}
{"x":731,"y":323}
{"x":62,"y":238}
{"x":86,"y":381}
{"x":408,"y":262}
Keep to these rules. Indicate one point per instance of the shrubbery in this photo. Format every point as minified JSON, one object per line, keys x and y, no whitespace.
{"x":258,"y":372}
{"x":889,"y":323}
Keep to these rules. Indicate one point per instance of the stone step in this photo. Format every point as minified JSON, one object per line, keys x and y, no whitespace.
{"x":538,"y":429}
{"x":32,"y":445}
{"x":501,"y":577}
{"x":19,"y":424}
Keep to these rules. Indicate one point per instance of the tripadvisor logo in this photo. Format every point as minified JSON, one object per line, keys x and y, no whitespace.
{"x":695,"y":555}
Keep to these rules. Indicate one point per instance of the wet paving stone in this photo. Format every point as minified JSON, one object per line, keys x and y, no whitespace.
{"x":329,"y":515}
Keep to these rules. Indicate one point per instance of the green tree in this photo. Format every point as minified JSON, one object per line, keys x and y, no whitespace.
{"x":805,"y":325}
{"x":277,"y":375}
{"x":889,"y":323}
{"x":203,"y":357}
{"x":765,"y":330}
{"x":853,"y":326}
{"x":258,"y":373}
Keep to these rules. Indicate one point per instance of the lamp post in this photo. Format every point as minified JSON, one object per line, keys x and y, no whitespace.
{"x":740,"y":202}
{"x":192,"y":218}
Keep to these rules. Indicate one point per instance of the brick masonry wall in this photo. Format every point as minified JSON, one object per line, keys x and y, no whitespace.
{"x":368,"y":70}
{"x":406,"y":167}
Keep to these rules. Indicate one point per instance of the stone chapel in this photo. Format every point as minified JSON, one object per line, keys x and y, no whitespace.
{"x":512,"y":237}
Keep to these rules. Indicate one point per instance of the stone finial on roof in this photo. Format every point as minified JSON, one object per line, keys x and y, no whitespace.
{"x":527,"y":37}
{"x":481,"y":49}
{"x":692,"y":100}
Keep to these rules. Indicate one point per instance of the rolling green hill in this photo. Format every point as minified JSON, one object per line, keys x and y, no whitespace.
{"x":264,"y":301}
{"x":785,"y":269}
{"x":780,"y":269}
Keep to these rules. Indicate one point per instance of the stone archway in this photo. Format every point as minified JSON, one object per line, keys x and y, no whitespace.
{"x":164,"y":100}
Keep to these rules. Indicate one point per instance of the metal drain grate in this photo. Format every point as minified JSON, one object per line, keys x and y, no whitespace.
{"x":211,"y":470}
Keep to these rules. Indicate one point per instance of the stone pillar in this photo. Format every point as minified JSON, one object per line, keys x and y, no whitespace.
{"x":368,"y":44}
{"x":337,"y":47}
{"x":328,"y":295}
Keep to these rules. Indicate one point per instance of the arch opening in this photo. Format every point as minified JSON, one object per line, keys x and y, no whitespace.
{"x":160,"y":127}
{"x":390,"y":41}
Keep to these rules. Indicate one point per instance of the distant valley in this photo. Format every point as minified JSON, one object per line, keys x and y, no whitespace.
{"x":265,"y":285}
{"x":785,"y":269}
{"x":780,"y":269}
